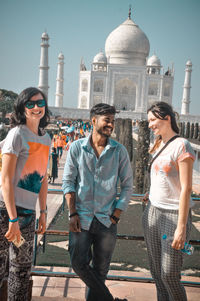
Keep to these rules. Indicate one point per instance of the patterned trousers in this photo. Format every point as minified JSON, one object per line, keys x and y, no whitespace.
{"x":165,"y":262}
{"x":15,"y":263}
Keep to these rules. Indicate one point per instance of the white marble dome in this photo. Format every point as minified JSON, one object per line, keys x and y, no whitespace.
{"x":189,"y":63}
{"x":154,"y":61}
{"x":61,"y":56}
{"x":127,"y":44}
{"x":45,"y":36}
{"x":100,"y":58}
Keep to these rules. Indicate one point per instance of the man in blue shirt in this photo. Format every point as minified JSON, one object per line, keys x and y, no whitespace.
{"x":94,"y":168}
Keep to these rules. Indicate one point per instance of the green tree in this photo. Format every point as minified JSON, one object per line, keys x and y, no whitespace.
{"x":7,"y":99}
{"x":3,"y":133}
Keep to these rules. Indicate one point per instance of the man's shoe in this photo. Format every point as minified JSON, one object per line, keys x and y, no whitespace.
{"x":117,"y":299}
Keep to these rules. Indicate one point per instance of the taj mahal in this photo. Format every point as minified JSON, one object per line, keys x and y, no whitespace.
{"x":125,"y":76}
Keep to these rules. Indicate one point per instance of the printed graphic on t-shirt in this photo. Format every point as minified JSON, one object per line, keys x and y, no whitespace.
{"x":165,"y":166}
{"x":35,"y":167}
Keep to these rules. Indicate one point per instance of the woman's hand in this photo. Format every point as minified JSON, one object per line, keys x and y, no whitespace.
{"x":13,"y":232}
{"x":145,"y":198}
{"x":179,"y":238}
{"x":42,"y":223}
{"x":185,"y":175}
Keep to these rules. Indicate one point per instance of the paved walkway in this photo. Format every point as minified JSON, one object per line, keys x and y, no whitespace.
{"x":65,"y":289}
{"x":54,"y":201}
{"x":73,"y":289}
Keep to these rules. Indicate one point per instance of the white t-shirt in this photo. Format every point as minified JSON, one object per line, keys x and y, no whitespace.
{"x":165,"y":183}
{"x":32,"y":153}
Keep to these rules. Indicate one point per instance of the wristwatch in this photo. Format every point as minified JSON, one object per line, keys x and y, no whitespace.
{"x":73,"y":214}
{"x":116,"y":219}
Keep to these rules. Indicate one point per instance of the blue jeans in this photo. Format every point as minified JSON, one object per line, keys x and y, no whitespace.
{"x":103,"y":240}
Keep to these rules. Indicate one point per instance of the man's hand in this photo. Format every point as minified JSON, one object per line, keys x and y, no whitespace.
{"x":116,"y":213}
{"x":74,"y":220}
{"x":113,"y":221}
{"x":75,"y":224}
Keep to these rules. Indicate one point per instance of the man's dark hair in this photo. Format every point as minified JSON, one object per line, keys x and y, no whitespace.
{"x":102,"y":109}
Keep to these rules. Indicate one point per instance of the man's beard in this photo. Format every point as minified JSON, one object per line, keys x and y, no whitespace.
{"x":101,"y":132}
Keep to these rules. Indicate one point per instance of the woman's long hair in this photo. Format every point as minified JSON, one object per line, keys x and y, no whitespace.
{"x":161,"y":110}
{"x":18,"y":116}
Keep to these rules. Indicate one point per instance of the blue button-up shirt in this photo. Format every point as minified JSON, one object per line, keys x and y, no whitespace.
{"x":95,"y":180}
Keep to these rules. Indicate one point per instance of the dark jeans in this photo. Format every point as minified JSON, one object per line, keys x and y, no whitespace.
{"x":59,"y":151}
{"x":103,"y":240}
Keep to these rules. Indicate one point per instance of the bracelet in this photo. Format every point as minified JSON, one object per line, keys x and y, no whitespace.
{"x":73,"y":214}
{"x":13,"y":220}
{"x":43,"y":211}
{"x":116,"y":219}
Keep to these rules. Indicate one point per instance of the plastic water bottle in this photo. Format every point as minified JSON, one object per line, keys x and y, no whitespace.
{"x":188,"y":249}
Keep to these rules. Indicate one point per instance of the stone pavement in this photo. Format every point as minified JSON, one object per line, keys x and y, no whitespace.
{"x":73,"y":289}
{"x":54,"y":201}
{"x":49,"y":288}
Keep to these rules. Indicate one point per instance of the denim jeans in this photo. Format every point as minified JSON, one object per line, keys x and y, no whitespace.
{"x":90,"y":253}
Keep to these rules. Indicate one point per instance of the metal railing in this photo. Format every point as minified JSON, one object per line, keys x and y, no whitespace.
{"x":119,"y":236}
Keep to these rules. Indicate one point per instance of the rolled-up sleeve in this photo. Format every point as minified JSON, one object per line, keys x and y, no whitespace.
{"x":70,"y":171}
{"x":126,"y":180}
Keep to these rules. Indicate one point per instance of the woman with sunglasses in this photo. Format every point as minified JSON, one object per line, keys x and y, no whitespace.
{"x":25,"y":156}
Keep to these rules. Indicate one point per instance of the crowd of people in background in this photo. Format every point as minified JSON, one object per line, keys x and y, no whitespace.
{"x":67,"y":132}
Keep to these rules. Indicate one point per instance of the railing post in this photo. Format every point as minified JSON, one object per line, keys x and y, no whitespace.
{"x":44,"y":237}
{"x":44,"y":242}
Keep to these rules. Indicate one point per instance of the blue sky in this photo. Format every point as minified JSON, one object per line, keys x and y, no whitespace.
{"x":79,"y":28}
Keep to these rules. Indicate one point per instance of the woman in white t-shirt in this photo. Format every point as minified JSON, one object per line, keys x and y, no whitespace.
{"x":168,"y":210}
{"x":25,"y":156}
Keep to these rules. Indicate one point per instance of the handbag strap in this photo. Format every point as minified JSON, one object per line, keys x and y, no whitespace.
{"x":156,"y":156}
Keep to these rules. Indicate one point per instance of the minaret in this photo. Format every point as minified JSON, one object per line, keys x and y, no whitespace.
{"x":60,"y":81}
{"x":43,"y":75}
{"x":186,"y":89}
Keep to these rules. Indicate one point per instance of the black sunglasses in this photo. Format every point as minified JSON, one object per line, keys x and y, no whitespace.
{"x":30,"y":104}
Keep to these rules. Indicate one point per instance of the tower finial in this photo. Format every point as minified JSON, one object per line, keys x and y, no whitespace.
{"x":129,"y":13}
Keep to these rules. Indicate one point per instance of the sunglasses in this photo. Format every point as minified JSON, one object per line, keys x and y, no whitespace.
{"x":31,"y":103}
